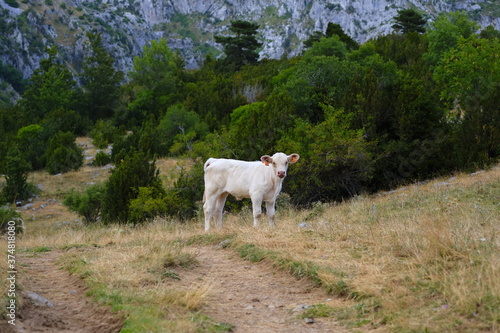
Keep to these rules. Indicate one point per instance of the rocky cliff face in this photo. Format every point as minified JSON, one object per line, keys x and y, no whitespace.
{"x":190,"y":25}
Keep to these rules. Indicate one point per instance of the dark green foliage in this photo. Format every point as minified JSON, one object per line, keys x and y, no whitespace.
{"x":332,"y":30}
{"x":242,"y":49}
{"x":446,"y":31}
{"x":417,"y":113}
{"x":213,"y":98}
{"x":409,"y":20}
{"x":87,"y":204}
{"x":51,"y":88}
{"x":12,"y":3}
{"x":180,"y":200}
{"x":11,"y":119}
{"x":328,"y":46}
{"x":145,"y":139}
{"x":405,"y":50}
{"x":104,"y":133}
{"x":124,"y":145}
{"x":371,"y":96}
{"x":156,"y":75}
{"x":101,"y":159}
{"x":10,"y":74}
{"x":33,"y":143}
{"x":256,"y":127}
{"x":133,"y":172}
{"x":65,"y":121}
{"x":335,"y":163}
{"x":100,"y":80}
{"x":181,"y":127}
{"x":315,"y":37}
{"x":469,"y":77}
{"x":150,"y":202}
{"x":10,"y":214}
{"x":63,"y":154}
{"x":489,"y":33}
{"x":16,"y":186}
{"x":315,"y":80}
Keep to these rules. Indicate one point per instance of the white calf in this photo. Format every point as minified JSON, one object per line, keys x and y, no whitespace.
{"x":259,"y":181}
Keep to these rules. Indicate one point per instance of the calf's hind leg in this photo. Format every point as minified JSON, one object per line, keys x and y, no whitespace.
{"x":219,"y":209}
{"x":209,"y":210}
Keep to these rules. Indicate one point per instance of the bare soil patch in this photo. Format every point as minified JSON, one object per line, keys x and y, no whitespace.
{"x":55,"y":301}
{"x":255,"y":297}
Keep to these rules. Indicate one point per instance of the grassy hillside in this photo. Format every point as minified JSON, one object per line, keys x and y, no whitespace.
{"x":423,"y":257}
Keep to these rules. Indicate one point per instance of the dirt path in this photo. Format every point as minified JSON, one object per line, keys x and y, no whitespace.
{"x":254,"y":297}
{"x":55,"y":301}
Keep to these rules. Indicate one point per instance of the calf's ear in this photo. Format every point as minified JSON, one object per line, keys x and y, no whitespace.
{"x":293,"y":158}
{"x":266,"y":159}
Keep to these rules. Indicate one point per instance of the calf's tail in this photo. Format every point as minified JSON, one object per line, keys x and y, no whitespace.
{"x":207,"y":163}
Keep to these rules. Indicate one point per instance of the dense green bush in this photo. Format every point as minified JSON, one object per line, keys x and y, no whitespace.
{"x":65,"y":121}
{"x":145,"y":139}
{"x":104,"y":133}
{"x":181,"y":127}
{"x":134,"y":172}
{"x":63,"y":154}
{"x":9,"y":214}
{"x":32,"y":142}
{"x":150,"y":202}
{"x":101,"y":159}
{"x":181,"y":200}
{"x":255,"y":128}
{"x":336,"y":161}
{"x":87,"y":204}
{"x":16,"y":186}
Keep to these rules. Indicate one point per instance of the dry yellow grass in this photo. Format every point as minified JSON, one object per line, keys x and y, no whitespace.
{"x":424,"y":257}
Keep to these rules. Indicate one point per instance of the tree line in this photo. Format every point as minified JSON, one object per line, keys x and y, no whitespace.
{"x":414,"y":104}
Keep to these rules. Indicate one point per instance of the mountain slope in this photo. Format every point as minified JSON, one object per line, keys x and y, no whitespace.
{"x":190,"y":25}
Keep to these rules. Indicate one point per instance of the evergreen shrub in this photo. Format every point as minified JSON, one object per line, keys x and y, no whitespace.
{"x":101,"y":159}
{"x":63,"y":154}
{"x":87,"y":204}
{"x":16,"y":186}
{"x":134,"y":172}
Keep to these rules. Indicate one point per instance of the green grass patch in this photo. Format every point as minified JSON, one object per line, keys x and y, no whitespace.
{"x":180,"y":259}
{"x":252,"y":253}
{"x":42,"y":249}
{"x":319,"y":310}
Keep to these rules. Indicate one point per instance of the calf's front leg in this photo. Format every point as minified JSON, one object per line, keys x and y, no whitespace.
{"x":270,"y":211}
{"x":257,"y":210}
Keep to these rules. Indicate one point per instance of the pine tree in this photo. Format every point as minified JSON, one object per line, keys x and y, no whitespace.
{"x":409,"y":20}
{"x":51,"y":88}
{"x":335,"y":29}
{"x":100,"y":80}
{"x":242,"y":49}
{"x":332,"y":29}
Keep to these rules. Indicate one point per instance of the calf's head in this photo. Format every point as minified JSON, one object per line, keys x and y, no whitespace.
{"x":280,"y":162}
